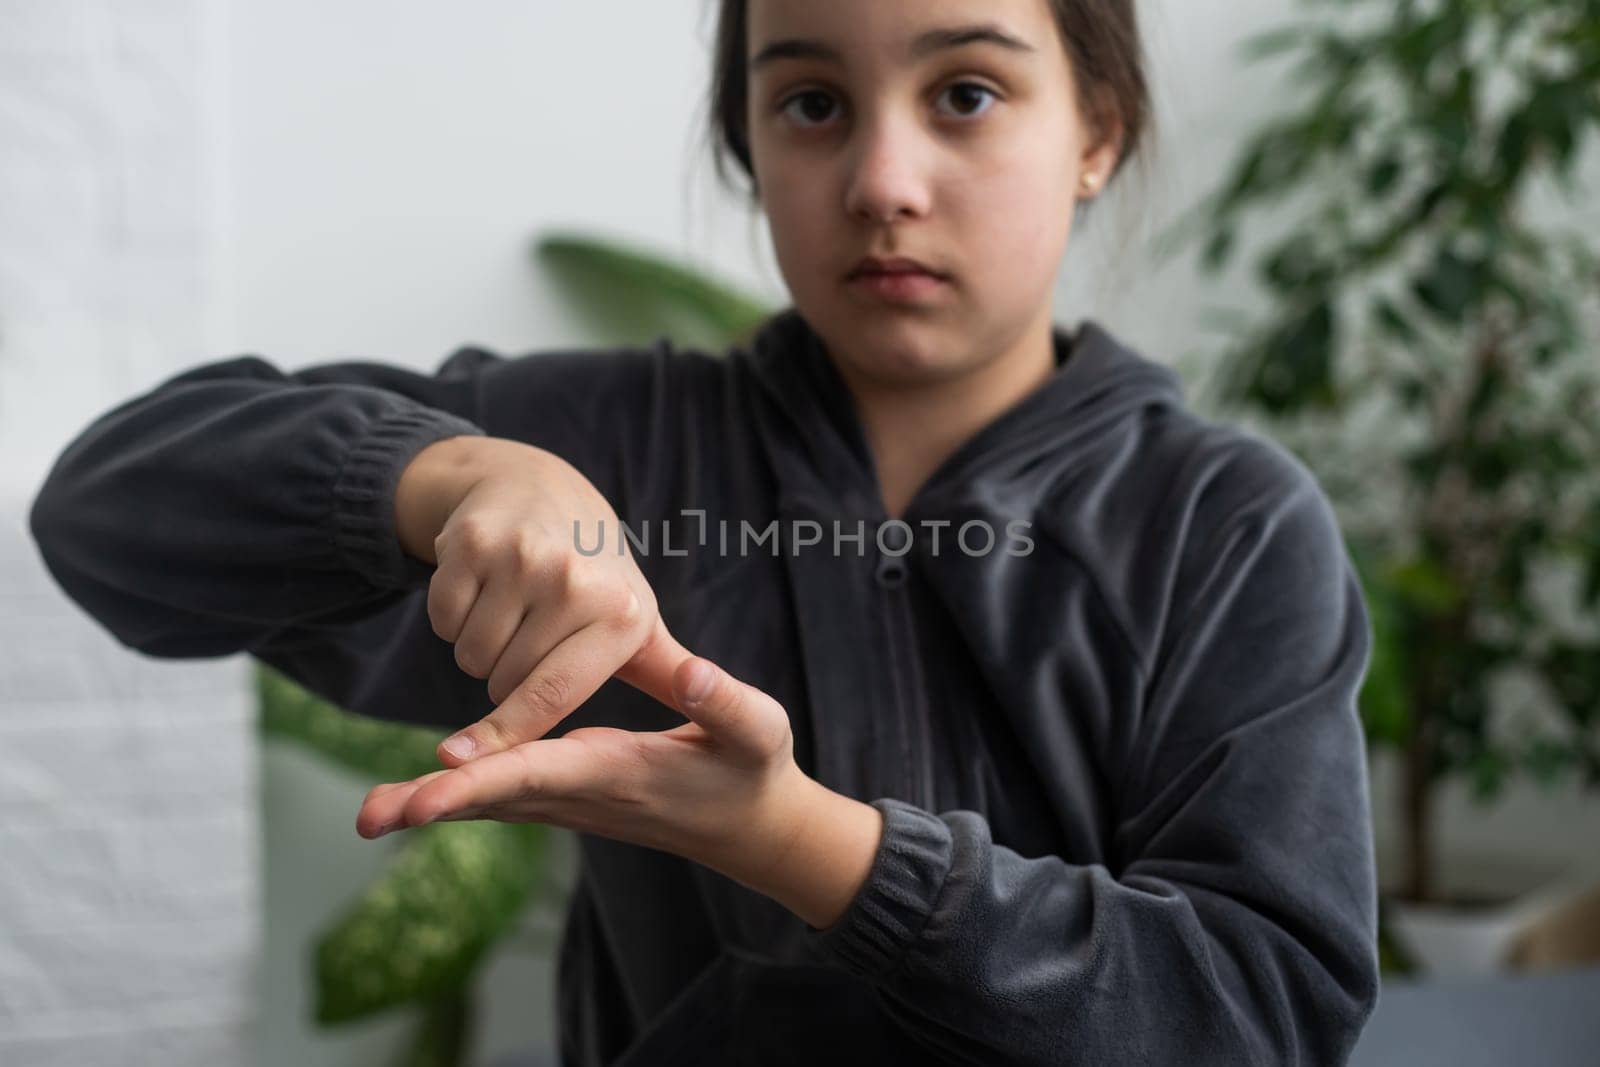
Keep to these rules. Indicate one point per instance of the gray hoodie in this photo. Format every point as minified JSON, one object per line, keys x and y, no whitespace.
{"x":1100,"y":679}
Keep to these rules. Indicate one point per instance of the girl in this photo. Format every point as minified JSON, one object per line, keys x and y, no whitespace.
{"x":1019,"y":725}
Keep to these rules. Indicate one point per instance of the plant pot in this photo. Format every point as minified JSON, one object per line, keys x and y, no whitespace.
{"x":1484,"y":906}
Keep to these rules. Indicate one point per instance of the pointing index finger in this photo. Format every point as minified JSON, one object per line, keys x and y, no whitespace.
{"x":567,"y":676}
{"x":652,"y":667}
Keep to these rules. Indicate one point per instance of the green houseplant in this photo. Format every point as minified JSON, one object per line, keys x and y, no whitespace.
{"x":415,"y":939}
{"x":1427,"y":346}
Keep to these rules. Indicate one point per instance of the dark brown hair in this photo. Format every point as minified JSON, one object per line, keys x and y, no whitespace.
{"x":1101,"y":38}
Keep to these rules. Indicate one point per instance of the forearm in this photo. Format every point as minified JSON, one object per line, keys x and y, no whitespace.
{"x":208,"y":513}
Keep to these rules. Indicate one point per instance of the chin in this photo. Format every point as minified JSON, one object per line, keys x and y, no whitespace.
{"x":897,"y":348}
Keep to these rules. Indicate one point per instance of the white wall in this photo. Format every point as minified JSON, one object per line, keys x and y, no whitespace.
{"x":387,"y":193}
{"x":129,"y":890}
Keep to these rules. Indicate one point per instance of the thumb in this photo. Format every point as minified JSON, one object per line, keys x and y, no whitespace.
{"x":731,"y":711}
{"x":650,"y":669}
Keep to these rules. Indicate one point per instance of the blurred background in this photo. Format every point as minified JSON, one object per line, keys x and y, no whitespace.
{"x":1372,"y":236}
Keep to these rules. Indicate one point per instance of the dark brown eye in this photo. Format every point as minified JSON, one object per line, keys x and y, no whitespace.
{"x":809,"y":101}
{"x":968,"y":97}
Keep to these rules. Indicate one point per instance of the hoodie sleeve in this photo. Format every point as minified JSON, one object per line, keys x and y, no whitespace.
{"x":1238,"y":921}
{"x":241,"y":507}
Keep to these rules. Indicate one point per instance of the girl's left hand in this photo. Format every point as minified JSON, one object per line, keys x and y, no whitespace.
{"x":723,"y":789}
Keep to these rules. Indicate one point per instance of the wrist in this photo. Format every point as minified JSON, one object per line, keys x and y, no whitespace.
{"x":817,"y":855}
{"x":430,"y":487}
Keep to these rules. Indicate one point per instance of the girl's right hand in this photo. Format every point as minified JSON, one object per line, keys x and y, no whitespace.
{"x":544,"y":623}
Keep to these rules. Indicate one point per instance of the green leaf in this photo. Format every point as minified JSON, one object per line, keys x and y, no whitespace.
{"x":1385,"y":701}
{"x":1513,"y":148}
{"x":1294,"y":265}
{"x":634,"y":297}
{"x":1392,"y":322}
{"x":1243,"y":183}
{"x":422,"y":927}
{"x":443,"y":1038}
{"x":373,"y":748}
{"x":1590,"y":597}
{"x":1548,"y":761}
{"x":1559,"y":110}
{"x":1218,"y":248}
{"x":1572,"y":671}
{"x":1424,"y":587}
{"x":1413,"y":44}
{"x":1393,"y":956}
{"x":1384,"y":173}
{"x":1412,"y":391}
{"x":1273,"y":160}
{"x":1295,"y":367}
{"x":1486,"y":775}
{"x":1451,"y":286}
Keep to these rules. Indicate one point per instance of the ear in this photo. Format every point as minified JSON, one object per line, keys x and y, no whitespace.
{"x":1105,"y":142}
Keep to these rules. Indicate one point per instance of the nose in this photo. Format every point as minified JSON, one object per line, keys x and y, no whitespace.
{"x":886,"y":181}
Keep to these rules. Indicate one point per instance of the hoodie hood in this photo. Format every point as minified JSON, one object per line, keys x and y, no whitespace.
{"x":1098,"y":382}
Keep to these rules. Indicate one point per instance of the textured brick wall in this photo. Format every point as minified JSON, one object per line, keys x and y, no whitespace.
{"x":129,"y":927}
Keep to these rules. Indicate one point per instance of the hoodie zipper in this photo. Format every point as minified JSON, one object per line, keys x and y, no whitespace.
{"x":893,"y":577}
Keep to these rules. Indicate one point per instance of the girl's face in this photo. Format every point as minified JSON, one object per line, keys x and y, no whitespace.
{"x":874,"y":131}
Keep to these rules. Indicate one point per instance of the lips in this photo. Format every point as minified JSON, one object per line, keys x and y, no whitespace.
{"x":899,"y":287}
{"x":892,"y":265}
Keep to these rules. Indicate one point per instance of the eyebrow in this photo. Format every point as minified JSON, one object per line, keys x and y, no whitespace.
{"x":925,"y":44}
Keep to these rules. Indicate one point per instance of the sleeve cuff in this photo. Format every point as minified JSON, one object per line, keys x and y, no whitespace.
{"x":888,"y":914}
{"x":364,"y":531}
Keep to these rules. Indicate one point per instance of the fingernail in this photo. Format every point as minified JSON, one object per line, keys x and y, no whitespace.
{"x":701,"y":678}
{"x":461,"y":746}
